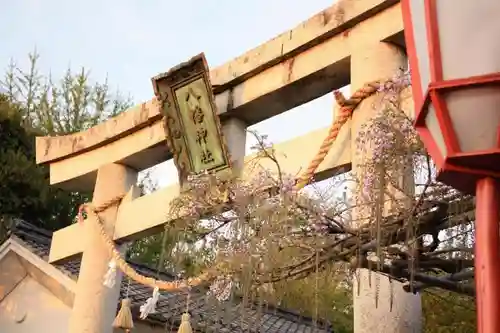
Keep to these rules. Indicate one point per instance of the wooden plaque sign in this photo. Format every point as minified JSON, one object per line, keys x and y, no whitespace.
{"x":193,"y":127}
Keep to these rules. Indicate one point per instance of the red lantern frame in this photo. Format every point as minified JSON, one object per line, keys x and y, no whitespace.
{"x":477,"y":170}
{"x":456,"y":168}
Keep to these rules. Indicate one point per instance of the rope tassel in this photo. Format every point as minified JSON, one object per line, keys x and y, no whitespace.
{"x":123,"y":319}
{"x":150,"y":305}
{"x":185,"y":326}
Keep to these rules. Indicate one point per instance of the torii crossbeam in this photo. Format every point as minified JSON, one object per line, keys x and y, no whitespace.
{"x":296,"y":67}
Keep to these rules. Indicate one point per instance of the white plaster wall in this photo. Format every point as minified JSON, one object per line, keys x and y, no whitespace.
{"x":30,"y":308}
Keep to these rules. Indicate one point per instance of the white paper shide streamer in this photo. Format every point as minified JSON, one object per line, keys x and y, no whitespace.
{"x":150,"y":305}
{"x":110,"y":277}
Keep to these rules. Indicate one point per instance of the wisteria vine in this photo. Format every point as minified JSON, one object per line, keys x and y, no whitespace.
{"x":263,"y":231}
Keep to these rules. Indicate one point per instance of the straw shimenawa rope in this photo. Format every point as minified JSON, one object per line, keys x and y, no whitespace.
{"x":347,"y":106}
{"x":93,"y":211}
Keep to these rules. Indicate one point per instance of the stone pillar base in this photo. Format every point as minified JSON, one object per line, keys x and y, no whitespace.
{"x":372,"y":316}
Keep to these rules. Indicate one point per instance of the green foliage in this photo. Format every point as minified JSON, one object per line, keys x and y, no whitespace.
{"x":35,"y":104}
{"x":323,"y":296}
{"x":55,"y":107}
{"x":447,"y":312}
{"x":174,"y":251}
{"x":16,"y":154}
{"x":24,"y":187}
{"x":443,"y":311}
{"x":326,"y":295}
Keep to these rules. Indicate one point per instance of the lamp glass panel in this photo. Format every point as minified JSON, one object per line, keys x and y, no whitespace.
{"x":421,"y":45}
{"x":469,"y":37}
{"x":432,"y":124}
{"x":475,"y":117}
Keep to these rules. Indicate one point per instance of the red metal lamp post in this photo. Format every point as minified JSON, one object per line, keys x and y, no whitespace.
{"x":454,"y":52}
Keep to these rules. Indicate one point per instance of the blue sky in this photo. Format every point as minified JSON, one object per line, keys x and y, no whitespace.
{"x":130,"y":41}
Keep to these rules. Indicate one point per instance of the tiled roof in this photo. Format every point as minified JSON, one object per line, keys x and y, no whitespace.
{"x":207,"y":314}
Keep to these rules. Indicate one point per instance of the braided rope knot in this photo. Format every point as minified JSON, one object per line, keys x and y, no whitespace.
{"x":347,"y":107}
{"x":85,"y":207}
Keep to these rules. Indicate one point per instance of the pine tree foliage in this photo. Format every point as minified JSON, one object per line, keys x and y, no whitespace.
{"x":24,"y":187}
{"x":55,"y":107}
{"x":34,"y":104}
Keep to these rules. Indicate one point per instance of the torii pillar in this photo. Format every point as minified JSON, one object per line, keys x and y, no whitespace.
{"x":373,"y":61}
{"x":107,"y":159}
{"x":94,"y":307}
{"x":103,"y":160}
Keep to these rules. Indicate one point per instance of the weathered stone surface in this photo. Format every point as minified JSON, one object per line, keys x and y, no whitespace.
{"x":299,"y":65}
{"x":370,"y":62}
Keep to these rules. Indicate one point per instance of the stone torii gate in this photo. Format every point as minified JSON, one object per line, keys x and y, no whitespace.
{"x":353,"y":41}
